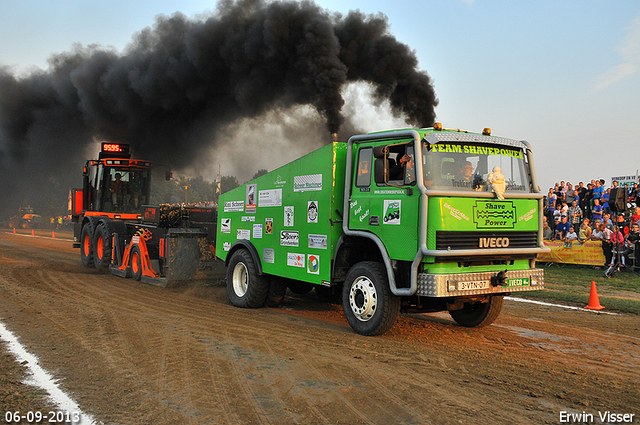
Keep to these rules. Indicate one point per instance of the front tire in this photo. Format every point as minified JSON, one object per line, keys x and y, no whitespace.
{"x":369,"y":305}
{"x":245,"y":287}
{"x":102,"y":247}
{"x":478,"y":315}
{"x":86,"y":246}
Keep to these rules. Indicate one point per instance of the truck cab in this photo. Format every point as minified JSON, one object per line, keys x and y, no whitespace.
{"x":455,"y":216}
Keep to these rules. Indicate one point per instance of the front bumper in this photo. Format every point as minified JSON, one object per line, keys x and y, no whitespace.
{"x":453,"y":285}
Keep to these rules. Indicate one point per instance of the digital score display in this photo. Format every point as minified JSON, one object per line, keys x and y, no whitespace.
{"x":120,"y":148}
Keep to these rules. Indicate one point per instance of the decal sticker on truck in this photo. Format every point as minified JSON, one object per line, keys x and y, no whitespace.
{"x":252,"y":190}
{"x":270,"y":198}
{"x":391,"y":212}
{"x":312,"y":212}
{"x":309,"y":182}
{"x":225,"y":225}
{"x":494,"y":214}
{"x":234,"y":206}
{"x":313,"y":264}
{"x":268,"y":226}
{"x":268,"y":255}
{"x":288,"y":216}
{"x":295,"y":260}
{"x":257,"y":231}
{"x":317,"y":241}
{"x":289,"y":238}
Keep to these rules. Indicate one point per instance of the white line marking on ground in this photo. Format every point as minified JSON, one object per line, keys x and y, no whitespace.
{"x":522,"y":300}
{"x":42,"y":379}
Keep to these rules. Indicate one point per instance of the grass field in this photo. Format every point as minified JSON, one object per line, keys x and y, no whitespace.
{"x":571,"y":284}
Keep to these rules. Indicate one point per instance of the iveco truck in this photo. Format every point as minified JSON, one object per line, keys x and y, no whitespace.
{"x":421,"y":220}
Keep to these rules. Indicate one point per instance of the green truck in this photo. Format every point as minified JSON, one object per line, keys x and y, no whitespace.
{"x":420,"y":219}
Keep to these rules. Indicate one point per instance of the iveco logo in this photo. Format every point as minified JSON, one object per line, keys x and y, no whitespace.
{"x":494,"y":242}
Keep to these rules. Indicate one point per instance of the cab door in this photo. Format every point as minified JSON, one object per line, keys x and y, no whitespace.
{"x":359,"y":201}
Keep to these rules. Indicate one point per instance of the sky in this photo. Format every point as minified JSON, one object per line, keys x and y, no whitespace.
{"x":562,"y":75}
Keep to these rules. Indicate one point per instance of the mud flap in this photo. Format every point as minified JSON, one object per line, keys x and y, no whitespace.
{"x":116,"y":267}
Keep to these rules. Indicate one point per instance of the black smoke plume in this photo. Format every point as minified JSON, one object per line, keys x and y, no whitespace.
{"x":180,"y":81}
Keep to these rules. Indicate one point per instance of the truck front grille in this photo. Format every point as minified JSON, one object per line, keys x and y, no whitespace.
{"x":482,"y":240}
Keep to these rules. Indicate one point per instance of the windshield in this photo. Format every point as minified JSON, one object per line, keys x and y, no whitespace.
{"x":466,"y":167}
{"x":125,"y":188}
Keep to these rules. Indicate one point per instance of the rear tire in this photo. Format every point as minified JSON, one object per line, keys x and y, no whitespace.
{"x":86,"y":246}
{"x":369,"y":305}
{"x":245,"y":287}
{"x":136,"y":263}
{"x":478,"y":315}
{"x":277,"y":291}
{"x":102,"y":247}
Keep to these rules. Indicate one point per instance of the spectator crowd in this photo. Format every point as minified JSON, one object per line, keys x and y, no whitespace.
{"x":579,"y":214}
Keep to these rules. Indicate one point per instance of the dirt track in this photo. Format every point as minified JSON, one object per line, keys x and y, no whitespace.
{"x":131,"y":353}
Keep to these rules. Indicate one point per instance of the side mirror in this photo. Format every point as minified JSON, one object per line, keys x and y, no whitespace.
{"x":168,"y":175}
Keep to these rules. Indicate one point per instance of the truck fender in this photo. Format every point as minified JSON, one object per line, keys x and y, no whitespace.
{"x":93,"y":223}
{"x":243,"y":243}
{"x":113,"y":226}
{"x":342,"y":261}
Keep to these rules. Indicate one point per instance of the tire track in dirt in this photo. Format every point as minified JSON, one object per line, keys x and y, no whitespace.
{"x":108,"y":324}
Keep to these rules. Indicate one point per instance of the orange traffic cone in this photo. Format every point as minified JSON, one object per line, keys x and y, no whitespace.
{"x":594,"y":301}
{"x":53,"y":234}
{"x":33,"y":232}
{"x":14,"y":230}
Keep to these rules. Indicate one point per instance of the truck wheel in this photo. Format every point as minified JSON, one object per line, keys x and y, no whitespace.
{"x":86,"y":247}
{"x":136,"y":263}
{"x":245,"y":287}
{"x":102,"y":246}
{"x":478,"y":315}
{"x":369,"y":305}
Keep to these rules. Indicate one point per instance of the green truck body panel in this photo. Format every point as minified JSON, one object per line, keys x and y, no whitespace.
{"x":291,"y":219}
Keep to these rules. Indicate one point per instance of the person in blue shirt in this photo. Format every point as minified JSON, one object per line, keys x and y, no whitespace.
{"x":598,"y":190}
{"x":596,"y":211}
{"x":562,"y":228}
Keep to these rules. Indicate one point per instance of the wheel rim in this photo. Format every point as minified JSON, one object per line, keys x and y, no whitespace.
{"x":100,"y":247}
{"x":240,"y":279}
{"x":363,"y":298}
{"x":86,"y":245}
{"x":135,"y":263}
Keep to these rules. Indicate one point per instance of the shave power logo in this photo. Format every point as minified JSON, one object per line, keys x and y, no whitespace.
{"x":494,"y":215}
